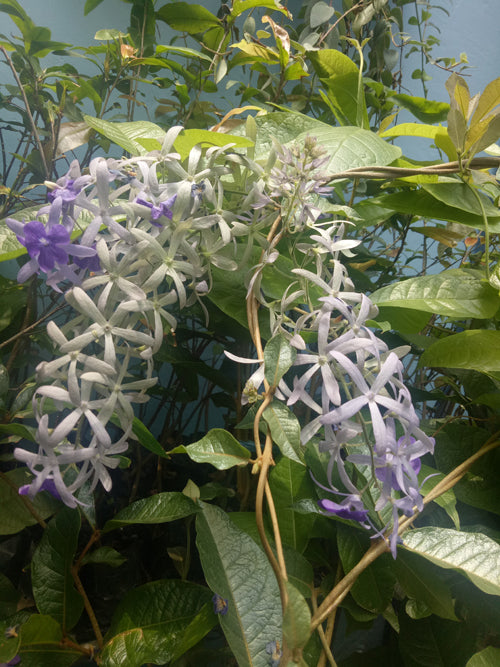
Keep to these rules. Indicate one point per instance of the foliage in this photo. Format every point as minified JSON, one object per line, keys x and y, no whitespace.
{"x":160,"y":503}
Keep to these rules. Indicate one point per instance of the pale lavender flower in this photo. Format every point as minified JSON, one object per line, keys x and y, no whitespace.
{"x":351,"y":507}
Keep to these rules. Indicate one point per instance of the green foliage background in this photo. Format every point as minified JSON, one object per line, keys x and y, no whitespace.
{"x":129,"y":579}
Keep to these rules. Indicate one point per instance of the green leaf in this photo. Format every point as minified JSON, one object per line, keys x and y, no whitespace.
{"x":320,"y":13}
{"x":477,"y":350}
{"x":187,"y":139}
{"x":186,"y":17}
{"x":291,"y":482}
{"x":219,"y":448}
{"x":90,"y":5}
{"x":183,"y":51}
{"x":422,"y":204}
{"x":157,"y":623}
{"x":161,"y":508}
{"x":446,"y":500}
{"x":285,"y":430}
{"x":474,"y":555}
{"x":434,"y":642}
{"x":348,"y":147}
{"x":9,"y":598}
{"x":461,"y":196}
{"x":488,"y":657}
{"x":53,"y":585}
{"x":127,"y":135}
{"x":489,"y":100}
{"x":457,"y":293}
{"x":374,"y":587}
{"x":147,"y":439}
{"x":42,"y":645}
{"x":104,"y":556}
{"x":109,"y":34}
{"x":422,"y":581}
{"x":479,"y":487}
{"x":404,"y":320}
{"x":237,"y":569}
{"x":296,"y":619}
{"x":427,"y":111}
{"x":240,"y":6}
{"x":340,"y":77}
{"x":71,"y":135}
{"x":10,"y":248}
{"x":279,"y":356}
{"x":413,"y":130}
{"x":14,"y":516}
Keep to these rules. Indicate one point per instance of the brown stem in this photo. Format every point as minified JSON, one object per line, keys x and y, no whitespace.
{"x":29,"y":328}
{"x":88,"y":607}
{"x":335,"y":597}
{"x":399,"y":172}
{"x":93,"y":538}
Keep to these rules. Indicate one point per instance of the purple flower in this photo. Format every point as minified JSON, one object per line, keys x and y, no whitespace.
{"x":15,"y":661}
{"x":221,"y":605}
{"x":69,"y":192}
{"x":92,"y":262}
{"x":48,"y":245}
{"x":389,"y":473}
{"x":163,"y":209}
{"x":350,"y":508}
{"x":47,"y":485}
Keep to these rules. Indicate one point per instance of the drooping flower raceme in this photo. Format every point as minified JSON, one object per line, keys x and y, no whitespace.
{"x":344,"y":376}
{"x":144,"y":247}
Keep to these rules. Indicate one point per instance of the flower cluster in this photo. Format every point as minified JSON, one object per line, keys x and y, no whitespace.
{"x":351,"y":383}
{"x":144,"y":247}
{"x":148,"y":231}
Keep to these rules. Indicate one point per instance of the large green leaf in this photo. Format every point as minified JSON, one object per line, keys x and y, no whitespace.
{"x":461,"y":196}
{"x":240,"y":6}
{"x":488,"y":657}
{"x":187,"y":17}
{"x":237,"y":569}
{"x":374,"y":587}
{"x":458,"y":293}
{"x":218,"y":447}
{"x":427,"y":111}
{"x":348,"y":147}
{"x":127,"y":135}
{"x":477,"y":350}
{"x":479,"y":487}
{"x":424,"y":205}
{"x":291,"y":482}
{"x":14,"y":515}
{"x":434,"y":642}
{"x":189,"y":138}
{"x":42,"y":645}
{"x":422,"y":581}
{"x":53,"y":585}
{"x":472,"y":554}
{"x":161,"y":508}
{"x":157,"y":623}
{"x":340,"y":77}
